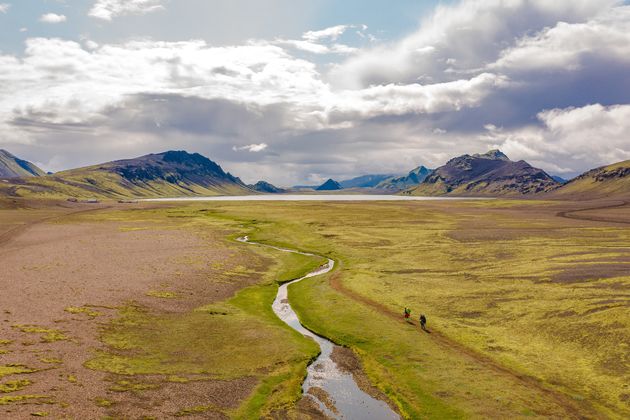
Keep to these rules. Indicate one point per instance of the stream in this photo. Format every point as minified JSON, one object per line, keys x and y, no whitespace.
{"x":349,"y":401}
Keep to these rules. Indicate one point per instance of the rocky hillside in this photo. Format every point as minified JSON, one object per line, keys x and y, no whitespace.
{"x":607,"y":181}
{"x":413,"y":178}
{"x":13,"y":167}
{"x":489,"y":174}
{"x":169,"y":174}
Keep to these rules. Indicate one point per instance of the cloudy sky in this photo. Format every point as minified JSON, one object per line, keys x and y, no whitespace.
{"x":296,"y":91}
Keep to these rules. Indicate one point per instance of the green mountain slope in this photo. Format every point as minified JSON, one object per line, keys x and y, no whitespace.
{"x":607,"y":181}
{"x":168,"y":174}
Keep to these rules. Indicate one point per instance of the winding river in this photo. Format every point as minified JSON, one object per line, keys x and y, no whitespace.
{"x":349,"y":401}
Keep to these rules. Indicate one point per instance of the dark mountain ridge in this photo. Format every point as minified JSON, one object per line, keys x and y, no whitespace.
{"x":330,"y":185}
{"x":175,"y":167}
{"x":266,"y":187}
{"x":167,"y":174}
{"x":488,"y":174}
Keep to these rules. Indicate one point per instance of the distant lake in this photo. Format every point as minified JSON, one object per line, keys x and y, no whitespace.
{"x":316,"y":197}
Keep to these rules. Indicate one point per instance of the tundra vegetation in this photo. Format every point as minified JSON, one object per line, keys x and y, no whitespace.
{"x":527,"y":312}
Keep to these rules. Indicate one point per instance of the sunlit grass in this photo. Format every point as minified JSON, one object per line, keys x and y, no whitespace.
{"x":501,"y":277}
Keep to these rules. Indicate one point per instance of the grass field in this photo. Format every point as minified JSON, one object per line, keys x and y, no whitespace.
{"x":528,"y":312}
{"x":543,"y":297}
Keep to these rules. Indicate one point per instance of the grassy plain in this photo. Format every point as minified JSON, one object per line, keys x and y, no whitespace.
{"x":528,"y":312}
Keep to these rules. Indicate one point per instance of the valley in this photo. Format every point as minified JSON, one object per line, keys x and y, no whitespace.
{"x":526,"y":302}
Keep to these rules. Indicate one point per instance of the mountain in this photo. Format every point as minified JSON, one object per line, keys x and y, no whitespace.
{"x":168,"y":174}
{"x":606,"y":181}
{"x":559,"y":179}
{"x":489,"y":174}
{"x":365,"y":181}
{"x":330,"y":185}
{"x":401,"y":183}
{"x":13,"y":167}
{"x":265,"y":187}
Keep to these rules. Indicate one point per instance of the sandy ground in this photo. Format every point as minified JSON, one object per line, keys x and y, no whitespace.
{"x":50,"y":267}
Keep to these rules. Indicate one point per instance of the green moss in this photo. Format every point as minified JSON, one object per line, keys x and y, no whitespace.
{"x":178,"y":379}
{"x":51,"y":360}
{"x":7,"y":370}
{"x":13,"y":399}
{"x":83,"y":310}
{"x":162,"y":294}
{"x":293,"y":266}
{"x":132,"y":386}
{"x":103,"y":402}
{"x":192,"y":411}
{"x":47,"y":335}
{"x":14,"y":386}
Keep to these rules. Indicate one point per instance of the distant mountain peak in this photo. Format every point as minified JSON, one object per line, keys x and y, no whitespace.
{"x":330,"y":185}
{"x":365,"y":181}
{"x":413,"y":178}
{"x":491,"y":173}
{"x":266,"y":187}
{"x":13,"y":167}
{"x":494,"y":154}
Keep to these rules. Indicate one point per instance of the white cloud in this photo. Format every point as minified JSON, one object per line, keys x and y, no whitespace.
{"x":109,"y":9}
{"x":322,"y":41}
{"x":564,"y":45}
{"x":572,"y":139}
{"x":415,"y":98}
{"x":476,"y":75}
{"x":316,"y":48}
{"x":255,"y":148}
{"x":61,"y":74}
{"x":52,"y":18}
{"x":460,"y":40}
{"x":4,"y":7}
{"x":332,"y":33}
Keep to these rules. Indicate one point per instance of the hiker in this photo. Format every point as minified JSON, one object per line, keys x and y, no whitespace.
{"x":423,"y":322}
{"x":407,"y":313}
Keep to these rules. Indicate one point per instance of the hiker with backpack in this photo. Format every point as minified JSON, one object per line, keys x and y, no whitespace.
{"x":423,"y":322}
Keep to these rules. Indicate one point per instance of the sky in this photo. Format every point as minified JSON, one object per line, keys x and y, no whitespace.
{"x":296,"y":91}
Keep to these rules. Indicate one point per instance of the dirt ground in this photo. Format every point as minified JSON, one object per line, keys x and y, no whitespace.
{"x":62,"y":282}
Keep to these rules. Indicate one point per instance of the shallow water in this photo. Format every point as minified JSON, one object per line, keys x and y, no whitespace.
{"x":349,"y":400}
{"x":314,"y":197}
